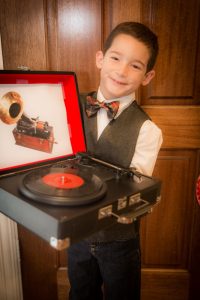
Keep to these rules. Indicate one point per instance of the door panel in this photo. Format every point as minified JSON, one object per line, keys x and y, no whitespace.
{"x":76,"y":39}
{"x":22,"y":26}
{"x":177,"y":26}
{"x":173,"y":215}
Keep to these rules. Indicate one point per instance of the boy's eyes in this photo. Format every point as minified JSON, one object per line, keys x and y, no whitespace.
{"x":114,"y":58}
{"x":136,"y":67}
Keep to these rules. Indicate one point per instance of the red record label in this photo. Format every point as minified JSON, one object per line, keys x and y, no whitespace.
{"x":198,"y":190}
{"x":63,"y":180}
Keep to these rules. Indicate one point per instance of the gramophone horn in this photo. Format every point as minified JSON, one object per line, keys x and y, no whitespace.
{"x":11,"y":107}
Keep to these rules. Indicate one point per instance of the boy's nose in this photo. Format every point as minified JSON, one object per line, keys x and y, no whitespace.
{"x":123,"y":70}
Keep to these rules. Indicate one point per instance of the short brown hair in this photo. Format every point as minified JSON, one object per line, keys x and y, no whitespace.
{"x":140,"y":32}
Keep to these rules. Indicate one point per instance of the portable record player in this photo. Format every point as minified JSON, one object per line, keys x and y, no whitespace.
{"x":48,"y":182}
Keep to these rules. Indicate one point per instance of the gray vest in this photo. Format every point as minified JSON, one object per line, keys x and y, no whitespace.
{"x":118,"y":140}
{"x":115,"y":145}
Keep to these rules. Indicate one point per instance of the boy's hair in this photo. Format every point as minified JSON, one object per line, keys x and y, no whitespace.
{"x":141,"y":33}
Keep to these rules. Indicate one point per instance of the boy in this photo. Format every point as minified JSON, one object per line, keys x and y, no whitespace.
{"x":109,"y":260}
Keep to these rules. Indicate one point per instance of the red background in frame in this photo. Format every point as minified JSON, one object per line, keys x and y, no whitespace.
{"x":71,"y":100}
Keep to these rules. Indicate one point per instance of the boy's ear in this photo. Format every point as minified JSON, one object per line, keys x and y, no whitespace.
{"x":148,"y":77}
{"x":99,"y":59}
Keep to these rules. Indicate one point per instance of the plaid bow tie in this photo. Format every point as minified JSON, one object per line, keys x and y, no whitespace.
{"x":93,"y":105}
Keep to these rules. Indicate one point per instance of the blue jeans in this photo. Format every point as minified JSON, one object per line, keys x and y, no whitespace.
{"x":114,"y":265}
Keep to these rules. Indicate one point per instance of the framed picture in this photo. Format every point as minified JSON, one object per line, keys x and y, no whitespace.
{"x":40,"y":119}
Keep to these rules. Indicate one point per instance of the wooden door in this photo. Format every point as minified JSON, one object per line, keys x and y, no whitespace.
{"x":64,"y":35}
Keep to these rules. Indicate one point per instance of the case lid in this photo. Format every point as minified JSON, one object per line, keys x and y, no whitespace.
{"x":40,"y":119}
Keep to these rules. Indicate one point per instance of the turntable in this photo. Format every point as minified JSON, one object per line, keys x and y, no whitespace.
{"x":62,"y":195}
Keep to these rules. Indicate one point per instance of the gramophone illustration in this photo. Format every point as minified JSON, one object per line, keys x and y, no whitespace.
{"x":29,"y":132}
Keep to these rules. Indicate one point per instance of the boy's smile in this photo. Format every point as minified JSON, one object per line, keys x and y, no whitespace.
{"x":123,"y":67}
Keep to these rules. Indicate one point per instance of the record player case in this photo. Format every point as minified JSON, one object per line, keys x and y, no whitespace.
{"x":53,"y":99}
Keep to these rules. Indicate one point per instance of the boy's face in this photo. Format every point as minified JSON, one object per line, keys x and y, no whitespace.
{"x":123,"y":67}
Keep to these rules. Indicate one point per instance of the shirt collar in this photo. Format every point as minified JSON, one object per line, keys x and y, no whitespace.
{"x":124,"y":101}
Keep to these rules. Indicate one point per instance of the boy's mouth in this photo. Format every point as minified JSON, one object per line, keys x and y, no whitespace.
{"x":118,"y":82}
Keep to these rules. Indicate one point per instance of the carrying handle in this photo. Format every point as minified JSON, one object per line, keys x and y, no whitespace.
{"x":130,"y":217}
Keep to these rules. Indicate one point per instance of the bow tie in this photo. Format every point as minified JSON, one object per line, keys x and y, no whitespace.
{"x":93,"y":105}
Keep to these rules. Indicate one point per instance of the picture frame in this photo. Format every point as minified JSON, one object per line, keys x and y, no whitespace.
{"x":40,"y":119}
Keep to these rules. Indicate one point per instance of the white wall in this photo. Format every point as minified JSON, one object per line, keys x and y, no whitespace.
{"x":10,"y":272}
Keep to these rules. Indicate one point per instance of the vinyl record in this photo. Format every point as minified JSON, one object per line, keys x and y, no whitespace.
{"x":63,"y":186}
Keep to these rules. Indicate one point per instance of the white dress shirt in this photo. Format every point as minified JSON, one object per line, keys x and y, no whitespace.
{"x":149,"y":139}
